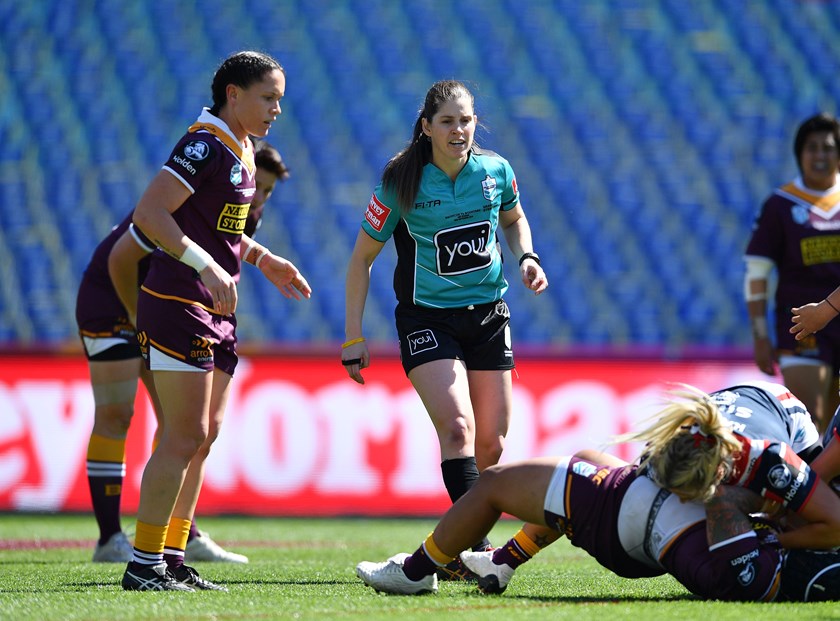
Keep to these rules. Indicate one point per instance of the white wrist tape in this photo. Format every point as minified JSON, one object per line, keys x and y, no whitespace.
{"x":261,"y":257}
{"x":758,"y":269}
{"x":759,"y":327}
{"x":196,"y":257}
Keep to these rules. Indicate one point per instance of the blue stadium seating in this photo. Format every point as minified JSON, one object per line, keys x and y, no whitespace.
{"x":645,"y":135}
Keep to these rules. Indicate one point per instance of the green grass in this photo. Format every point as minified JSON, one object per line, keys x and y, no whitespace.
{"x":304,"y":569}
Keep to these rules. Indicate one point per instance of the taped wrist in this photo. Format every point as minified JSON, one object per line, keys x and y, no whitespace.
{"x":196,"y":257}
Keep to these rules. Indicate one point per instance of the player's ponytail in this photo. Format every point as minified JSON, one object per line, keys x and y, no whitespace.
{"x":689,"y":446}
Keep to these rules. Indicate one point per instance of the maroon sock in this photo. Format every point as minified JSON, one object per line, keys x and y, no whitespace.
{"x":105,"y":494}
{"x":510,"y":554}
{"x":173,"y":561}
{"x":418,"y":565}
{"x":193,"y":531}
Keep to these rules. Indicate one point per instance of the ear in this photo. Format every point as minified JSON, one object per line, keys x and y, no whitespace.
{"x":232,"y":92}
{"x":425,"y":124}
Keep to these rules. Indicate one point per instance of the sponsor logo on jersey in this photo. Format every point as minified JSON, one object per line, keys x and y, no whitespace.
{"x":488,"y":187}
{"x":463,"y":249}
{"x":420,"y":341}
{"x":515,"y":187}
{"x":376,"y":213}
{"x":779,"y":476}
{"x":427,"y":204}
{"x":196,"y":150}
{"x":236,"y":174}
{"x":201,"y":349}
{"x":584,"y":468}
{"x":232,"y":218}
{"x":143,"y":341}
{"x":185,"y":164}
{"x":794,"y":488}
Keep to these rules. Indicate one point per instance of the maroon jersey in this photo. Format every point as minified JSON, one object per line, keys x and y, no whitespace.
{"x":799,"y":230}
{"x":219,"y":173}
{"x":97,"y":303}
{"x":583,"y":503}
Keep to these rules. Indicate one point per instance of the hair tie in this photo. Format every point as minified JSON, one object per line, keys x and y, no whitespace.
{"x":700,"y":436}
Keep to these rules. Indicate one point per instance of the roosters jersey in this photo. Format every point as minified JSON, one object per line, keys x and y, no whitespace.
{"x":448,"y":255}
{"x":765,"y":410}
{"x":219,"y":173}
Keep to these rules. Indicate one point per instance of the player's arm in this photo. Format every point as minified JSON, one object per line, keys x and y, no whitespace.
{"x":517,"y":233}
{"x":827,"y":463}
{"x":756,"y":290}
{"x":153,"y":216}
{"x":122,"y":268}
{"x":813,"y":317}
{"x":780,"y":475}
{"x":281,"y":272}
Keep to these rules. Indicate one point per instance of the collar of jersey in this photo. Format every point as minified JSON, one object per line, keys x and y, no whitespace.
{"x":216,"y":126}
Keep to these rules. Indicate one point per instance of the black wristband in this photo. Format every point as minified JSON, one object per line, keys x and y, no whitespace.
{"x":530,"y":255}
{"x":351,"y":361}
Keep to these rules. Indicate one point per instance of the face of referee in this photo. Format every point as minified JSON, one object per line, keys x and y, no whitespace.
{"x":451,"y":133}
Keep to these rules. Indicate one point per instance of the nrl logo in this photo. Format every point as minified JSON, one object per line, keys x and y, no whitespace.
{"x":236,"y":174}
{"x":488,"y":187}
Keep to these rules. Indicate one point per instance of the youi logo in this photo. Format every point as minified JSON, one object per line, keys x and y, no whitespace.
{"x":422,"y":340}
{"x":463,"y":249}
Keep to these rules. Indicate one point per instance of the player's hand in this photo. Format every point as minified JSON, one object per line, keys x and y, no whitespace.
{"x":533,"y":276}
{"x":222,"y":287}
{"x":355,"y":358}
{"x":765,"y":356}
{"x":810,"y":318}
{"x":285,"y":276}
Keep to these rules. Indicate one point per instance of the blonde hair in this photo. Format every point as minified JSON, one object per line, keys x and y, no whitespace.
{"x":690,"y":447}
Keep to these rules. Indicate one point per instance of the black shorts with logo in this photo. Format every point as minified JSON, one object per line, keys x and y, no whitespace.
{"x":477,"y":334}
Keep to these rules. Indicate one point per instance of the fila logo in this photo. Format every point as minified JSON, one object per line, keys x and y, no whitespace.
{"x":420,"y":341}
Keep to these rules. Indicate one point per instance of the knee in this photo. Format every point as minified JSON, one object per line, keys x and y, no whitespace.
{"x":185,"y":444}
{"x":204,"y":449}
{"x":489,"y":451}
{"x":457,"y":433}
{"x":113,"y":420}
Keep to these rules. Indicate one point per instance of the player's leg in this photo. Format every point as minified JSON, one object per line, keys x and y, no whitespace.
{"x":184,"y":509}
{"x":811,"y":381}
{"x":185,"y":397}
{"x":113,"y":374}
{"x":518,"y":489}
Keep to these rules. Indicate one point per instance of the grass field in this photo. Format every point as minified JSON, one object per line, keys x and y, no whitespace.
{"x":304,"y":569}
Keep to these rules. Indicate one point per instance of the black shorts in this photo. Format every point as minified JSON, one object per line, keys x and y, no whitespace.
{"x":478,"y":334}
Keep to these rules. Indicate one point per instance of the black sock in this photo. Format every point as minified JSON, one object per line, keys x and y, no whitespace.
{"x":459,"y":475}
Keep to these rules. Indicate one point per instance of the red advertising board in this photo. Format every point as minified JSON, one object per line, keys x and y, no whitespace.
{"x":300,"y":438}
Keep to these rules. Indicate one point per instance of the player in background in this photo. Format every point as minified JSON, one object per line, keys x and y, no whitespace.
{"x":796,"y":234}
{"x":444,"y":200}
{"x":106,"y":326}
{"x":194,"y":210}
